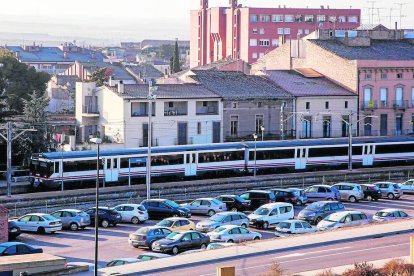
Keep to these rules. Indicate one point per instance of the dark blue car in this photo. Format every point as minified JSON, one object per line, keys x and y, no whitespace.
{"x":145,"y":236}
{"x":18,"y":248}
{"x":106,"y":216}
{"x":164,"y":208}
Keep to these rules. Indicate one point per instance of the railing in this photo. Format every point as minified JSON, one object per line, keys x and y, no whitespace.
{"x":372,"y":105}
{"x":175,"y":112}
{"x":369,"y":105}
{"x":207,"y":110}
{"x":401,"y":104}
{"x":88,"y":109}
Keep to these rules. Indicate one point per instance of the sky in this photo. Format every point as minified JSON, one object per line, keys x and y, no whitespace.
{"x":134,"y":20}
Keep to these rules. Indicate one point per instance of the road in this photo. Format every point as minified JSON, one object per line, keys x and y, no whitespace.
{"x":79,"y":246}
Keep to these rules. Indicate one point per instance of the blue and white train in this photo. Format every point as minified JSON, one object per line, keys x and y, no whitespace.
{"x":49,"y":169}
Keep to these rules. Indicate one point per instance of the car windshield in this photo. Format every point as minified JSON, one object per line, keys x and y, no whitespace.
{"x":173,"y":236}
{"x":316,"y":206}
{"x":143,"y":230}
{"x":165,"y":223}
{"x":396,"y":186}
{"x":240,"y":199}
{"x":335,"y":217}
{"x":216,"y":202}
{"x":81,"y":213}
{"x":144,"y":258}
{"x":262,"y":211}
{"x":48,"y":217}
{"x":172,"y":204}
{"x":284,"y":225}
{"x":219,"y":229}
{"x":382,"y":214}
{"x":2,"y":249}
{"x":141,"y":208}
{"x":217,"y":217}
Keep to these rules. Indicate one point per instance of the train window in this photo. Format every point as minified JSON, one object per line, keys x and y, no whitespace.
{"x":165,"y":160}
{"x":356,"y":150}
{"x":220,"y":156}
{"x":272,"y":154}
{"x":322,"y":152}
{"x":383,"y":149}
{"x":125,"y":163}
{"x":79,"y":166}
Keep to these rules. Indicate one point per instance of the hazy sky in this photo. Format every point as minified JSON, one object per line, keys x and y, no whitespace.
{"x":139,"y":19}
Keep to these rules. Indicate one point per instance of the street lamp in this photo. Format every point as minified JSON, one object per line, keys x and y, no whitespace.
{"x":151,"y":97}
{"x":262,"y":128}
{"x":96,"y":141}
{"x":61,"y":169}
{"x":255,"y":153}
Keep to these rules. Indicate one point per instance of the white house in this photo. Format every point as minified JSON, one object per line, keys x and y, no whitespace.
{"x":181,"y":114}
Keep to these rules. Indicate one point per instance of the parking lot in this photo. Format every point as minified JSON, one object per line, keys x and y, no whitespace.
{"x":79,"y":245}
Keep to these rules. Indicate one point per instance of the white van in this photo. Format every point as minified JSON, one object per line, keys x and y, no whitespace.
{"x":271,"y":213}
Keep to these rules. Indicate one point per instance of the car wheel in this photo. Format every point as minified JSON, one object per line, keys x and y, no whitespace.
{"x":211,"y":213}
{"x":265,"y":225}
{"x":105,"y":223}
{"x":369,"y":198}
{"x":299,"y":203}
{"x":175,"y":250}
{"x":244,"y":225}
{"x":317,"y":220}
{"x":256,"y":238}
{"x":135,"y":220}
{"x":391,"y":196}
{"x":234,"y":209}
{"x":352,"y":199}
{"x":150,"y":245}
{"x":73,"y":226}
{"x":203,"y":246}
{"x":41,"y":230}
{"x":230,"y":241}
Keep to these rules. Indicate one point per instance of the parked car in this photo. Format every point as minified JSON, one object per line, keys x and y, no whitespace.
{"x":145,"y":236}
{"x":390,"y":214}
{"x":122,"y":261}
{"x":106,"y":216}
{"x":270,"y":214}
{"x":317,"y":211}
{"x":73,"y":219}
{"x":407,"y":187}
{"x":233,"y":233}
{"x":134,"y":213}
{"x":234,"y":203}
{"x":301,"y":195}
{"x":205,"y":206}
{"x":90,"y":266}
{"x":14,"y":230}
{"x":18,"y":248}
{"x":343,"y":219}
{"x":258,"y":198}
{"x":285,"y":195}
{"x":164,"y":208}
{"x":148,"y":256}
{"x":39,"y":222}
{"x":177,"y":224}
{"x":371,"y":192}
{"x":389,"y":190}
{"x":181,"y":241}
{"x":294,"y":227}
{"x":322,"y":192}
{"x":349,"y":191}
{"x":220,"y":219}
{"x":217,"y":245}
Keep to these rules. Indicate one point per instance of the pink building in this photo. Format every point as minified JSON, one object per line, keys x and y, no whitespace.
{"x":249,"y":33}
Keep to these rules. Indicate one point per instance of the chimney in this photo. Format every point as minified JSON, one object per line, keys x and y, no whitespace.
{"x":121,"y":87}
{"x":65,"y":55}
{"x":396,"y":30}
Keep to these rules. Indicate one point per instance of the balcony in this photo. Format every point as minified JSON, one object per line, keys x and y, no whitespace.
{"x":90,"y":111}
{"x":400,"y":105}
{"x":175,"y":109}
{"x":369,"y":105}
{"x":207,"y":108}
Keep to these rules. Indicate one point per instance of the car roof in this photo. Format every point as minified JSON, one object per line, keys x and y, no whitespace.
{"x":294,"y":220}
{"x":368,"y":184}
{"x":229,"y":226}
{"x":176,"y":218}
{"x":295,"y":189}
{"x":258,"y":191}
{"x":186,"y":231}
{"x":135,"y":260}
{"x":154,"y":254}
{"x":154,"y":227}
{"x":68,"y":210}
{"x":205,"y":198}
{"x":326,"y":201}
{"x":128,"y":204}
{"x":384,"y":182}
{"x":321,"y":185}
{"x":35,"y":214}
{"x":281,"y":189}
{"x":230,"y":213}
{"x":349,"y":212}
{"x":276,"y":204}
{"x":345,"y":183}
{"x":11,"y":243}
{"x":391,"y":210}
{"x":156,"y":199}
{"x":228,"y":196}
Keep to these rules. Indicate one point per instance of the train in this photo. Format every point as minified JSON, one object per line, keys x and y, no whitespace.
{"x":51,"y":169}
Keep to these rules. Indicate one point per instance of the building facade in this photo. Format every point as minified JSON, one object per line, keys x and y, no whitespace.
{"x":248,"y":33}
{"x":181,"y":114}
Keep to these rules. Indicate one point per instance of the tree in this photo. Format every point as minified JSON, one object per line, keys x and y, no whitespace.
{"x":176,"y":59}
{"x":172,"y":65}
{"x":99,"y":76}
{"x":34,"y":108}
{"x":166,"y":51}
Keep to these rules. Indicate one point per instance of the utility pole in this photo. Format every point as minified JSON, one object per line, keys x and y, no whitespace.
{"x":401,"y":5}
{"x":9,"y":139}
{"x":151,"y":97}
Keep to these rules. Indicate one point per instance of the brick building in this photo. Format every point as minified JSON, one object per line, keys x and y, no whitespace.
{"x":248,"y":33}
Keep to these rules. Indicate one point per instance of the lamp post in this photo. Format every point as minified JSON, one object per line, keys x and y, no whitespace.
{"x":255,"y":152}
{"x":262,"y":128}
{"x":151,"y":97}
{"x":97,"y":141}
{"x":61,"y":169}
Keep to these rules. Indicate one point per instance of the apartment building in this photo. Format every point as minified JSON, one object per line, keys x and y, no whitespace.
{"x":249,"y":33}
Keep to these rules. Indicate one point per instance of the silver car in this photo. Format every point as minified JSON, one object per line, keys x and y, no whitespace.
{"x":73,"y":219}
{"x":349,"y":191}
{"x":220,"y":219}
{"x":389,"y":190}
{"x":301,"y":195}
{"x":205,"y":206}
{"x":233,"y":233}
{"x":390,"y":214}
{"x":343,"y":219}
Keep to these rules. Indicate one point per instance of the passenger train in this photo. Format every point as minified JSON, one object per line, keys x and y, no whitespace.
{"x":49,"y":169}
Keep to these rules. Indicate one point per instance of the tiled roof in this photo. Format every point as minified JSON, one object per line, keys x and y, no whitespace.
{"x":118,"y":72}
{"x":370,"y":27}
{"x":238,"y":86}
{"x":300,"y":86}
{"x":167,"y":91}
{"x":379,"y":50}
{"x":145,"y":70}
{"x":54,"y":54}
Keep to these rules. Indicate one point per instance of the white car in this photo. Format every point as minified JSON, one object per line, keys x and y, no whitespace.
{"x":233,"y":233}
{"x":408,"y":186}
{"x":294,"y":227}
{"x":39,"y":222}
{"x":390,"y":214}
{"x":135,"y":213}
{"x":343,"y":219}
{"x":271,"y":213}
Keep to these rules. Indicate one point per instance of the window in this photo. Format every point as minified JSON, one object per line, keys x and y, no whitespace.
{"x":353,"y":19}
{"x":341,"y":19}
{"x":234,"y":125}
{"x":255,"y":31}
{"x":264,"y":42}
{"x":384,"y":76}
{"x":198,"y":128}
{"x":326,"y":126}
{"x":253,"y":42}
{"x":306,"y":31}
{"x":332,"y":18}
{"x":383,"y":97}
{"x":346,"y":104}
{"x":307,"y":127}
{"x":307,"y":105}
{"x":289,"y":18}
{"x":368,"y":97}
{"x":298,"y":18}
{"x":234,"y":104}
{"x":300,"y":31}
{"x":309,"y":18}
{"x":399,"y":75}
{"x":259,"y":104}
{"x":264,"y":18}
{"x":254,"y":55}
{"x":399,"y":101}
{"x":140,"y":109}
{"x":262,"y":31}
{"x":368,"y":76}
{"x":253,"y":18}
{"x":287,"y":30}
{"x":259,"y":123}
{"x":275,"y":42}
{"x":321,"y":18}
{"x":326,"y":105}
{"x":345,"y":124}
{"x":277,"y":18}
